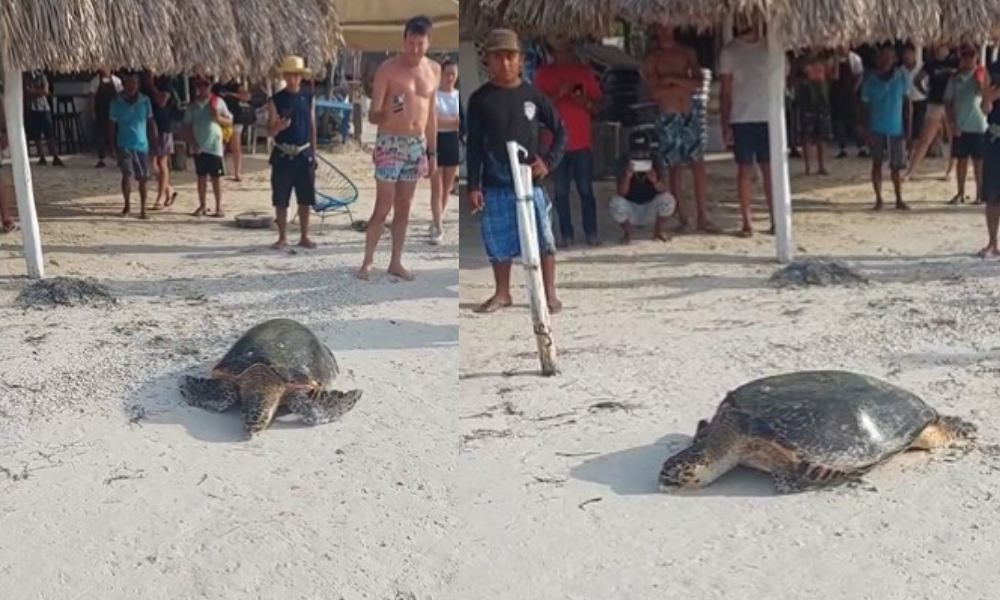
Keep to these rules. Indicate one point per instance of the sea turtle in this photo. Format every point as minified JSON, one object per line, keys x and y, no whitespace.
{"x":811,"y":429}
{"x":276,"y":363}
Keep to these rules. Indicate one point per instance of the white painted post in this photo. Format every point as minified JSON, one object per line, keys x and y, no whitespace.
{"x":779,"y":155}
{"x":13,"y":104}
{"x":531,"y":259}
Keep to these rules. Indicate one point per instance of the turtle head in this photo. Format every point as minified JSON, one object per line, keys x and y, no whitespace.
{"x":688,"y":469}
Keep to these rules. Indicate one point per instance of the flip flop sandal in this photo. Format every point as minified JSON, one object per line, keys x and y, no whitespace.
{"x":170,"y":201}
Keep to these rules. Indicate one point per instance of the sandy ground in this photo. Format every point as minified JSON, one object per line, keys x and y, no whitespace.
{"x":110,"y":487}
{"x":563,"y":489}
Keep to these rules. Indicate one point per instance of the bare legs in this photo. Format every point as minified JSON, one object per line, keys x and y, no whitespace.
{"x":700,"y":175}
{"x":744,"y":174}
{"x":236,"y":151}
{"x":164,"y":191}
{"x":441,"y":183}
{"x":992,"y":224}
{"x":501,"y":277}
{"x":127,"y":195}
{"x":397,"y":197}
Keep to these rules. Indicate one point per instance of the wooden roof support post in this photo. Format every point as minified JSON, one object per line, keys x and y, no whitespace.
{"x":779,"y":148}
{"x":13,"y":99}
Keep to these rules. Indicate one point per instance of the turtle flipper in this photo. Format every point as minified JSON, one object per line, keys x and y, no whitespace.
{"x":318,"y":408}
{"x":211,"y":394}
{"x":806,"y":477}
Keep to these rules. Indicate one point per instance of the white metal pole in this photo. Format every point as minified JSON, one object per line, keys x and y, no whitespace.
{"x":13,"y":104}
{"x":782,"y":192}
{"x":531,"y":259}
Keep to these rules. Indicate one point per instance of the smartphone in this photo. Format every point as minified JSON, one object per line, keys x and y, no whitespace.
{"x":397,"y":102}
{"x":578,"y":89}
{"x":642,"y":166}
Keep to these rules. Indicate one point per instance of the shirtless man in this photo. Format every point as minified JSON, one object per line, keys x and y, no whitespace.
{"x":673,"y":75}
{"x":404,"y":108}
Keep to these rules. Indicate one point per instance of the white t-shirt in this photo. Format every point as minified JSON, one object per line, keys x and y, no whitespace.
{"x":96,"y":83}
{"x":750,"y":66}
{"x":447,"y":106}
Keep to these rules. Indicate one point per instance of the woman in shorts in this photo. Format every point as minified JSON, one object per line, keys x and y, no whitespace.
{"x":449,"y":107}
{"x":160,"y":92}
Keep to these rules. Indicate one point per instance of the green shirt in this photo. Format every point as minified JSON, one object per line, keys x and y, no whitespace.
{"x":966,"y":99}
{"x":207,"y":133}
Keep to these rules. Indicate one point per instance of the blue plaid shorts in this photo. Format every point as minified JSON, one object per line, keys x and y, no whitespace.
{"x":499,"y":224}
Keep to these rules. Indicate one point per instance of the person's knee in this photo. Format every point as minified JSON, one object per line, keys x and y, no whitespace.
{"x":666,"y":205}
{"x":619,"y":209}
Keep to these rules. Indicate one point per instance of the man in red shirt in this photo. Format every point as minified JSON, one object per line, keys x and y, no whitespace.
{"x":573,"y":88}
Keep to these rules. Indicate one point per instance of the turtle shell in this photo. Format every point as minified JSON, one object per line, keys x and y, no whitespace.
{"x":290,"y":348}
{"x":834,"y":418}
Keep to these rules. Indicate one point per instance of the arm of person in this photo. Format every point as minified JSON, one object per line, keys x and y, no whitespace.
{"x":275,"y":124}
{"x":475,"y":145}
{"x":990,"y":93}
{"x":949,"y":104}
{"x":242,"y":93}
{"x":312,"y":129}
{"x":548,"y":116}
{"x":151,"y":131}
{"x":380,"y":90}
{"x":431,"y":128}
{"x":221,"y":113}
{"x":725,"y":88}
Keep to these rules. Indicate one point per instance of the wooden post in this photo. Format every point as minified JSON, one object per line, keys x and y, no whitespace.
{"x":531,"y":259}
{"x":779,"y":149}
{"x":13,"y":101}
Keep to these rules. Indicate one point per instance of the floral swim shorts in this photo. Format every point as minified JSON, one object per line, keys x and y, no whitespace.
{"x":399,"y":157}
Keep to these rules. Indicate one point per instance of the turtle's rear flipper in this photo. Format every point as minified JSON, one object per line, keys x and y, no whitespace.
{"x":210,"y":394}
{"x":320,"y":407}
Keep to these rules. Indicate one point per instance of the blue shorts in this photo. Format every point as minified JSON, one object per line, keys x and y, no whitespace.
{"x":501,"y":235}
{"x":751,"y":143}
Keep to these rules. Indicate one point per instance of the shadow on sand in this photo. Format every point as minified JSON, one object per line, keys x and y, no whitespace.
{"x":633,"y":472}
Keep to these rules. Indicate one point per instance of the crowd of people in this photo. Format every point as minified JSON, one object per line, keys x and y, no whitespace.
{"x":894,"y":113}
{"x":415,"y":106}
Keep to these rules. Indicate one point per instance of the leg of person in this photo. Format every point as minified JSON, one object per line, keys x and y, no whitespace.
{"x":215,"y":175}
{"x":448,"y":175}
{"x":878,"y":148}
{"x":160,"y":174}
{"x":976,"y":143}
{"x":236,"y":150}
{"x":203,"y":169}
{"x":563,"y":177}
{"x":743,"y":153}
{"x":125,"y":165}
{"x":50,"y":138}
{"x":387,"y":159}
{"x":281,"y":195}
{"x":101,"y":136}
{"x":807,"y":145}
{"x":437,"y":200}
{"x":762,"y":153}
{"x":7,"y":221}
{"x":960,"y":151}
{"x":897,"y":164}
{"x":141,"y":160}
{"x":583,"y":175}
{"x":991,"y":195}
{"x":169,"y":194}
{"x":661,"y":209}
{"x":33,"y":129}
{"x":546,"y":249}
{"x":676,"y":186}
{"x":305,"y":197}
{"x":620,"y":210}
{"x":501,"y":239}
{"x":401,"y":202}
{"x":695,"y":157}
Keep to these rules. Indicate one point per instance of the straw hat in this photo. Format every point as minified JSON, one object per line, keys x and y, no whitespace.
{"x":293,"y":64}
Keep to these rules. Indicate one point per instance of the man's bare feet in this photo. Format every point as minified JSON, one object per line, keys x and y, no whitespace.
{"x":626,"y":239}
{"x":401,"y":272}
{"x":493,"y":304}
{"x":280,"y":244}
{"x":706,"y":226}
{"x":126,"y":211}
{"x":307,"y":243}
{"x":661,"y":235}
{"x":200,"y":212}
{"x":900,"y":205}
{"x":555,"y":305}
{"x":143,"y":216}
{"x":364,"y":272}
{"x":988,"y":252}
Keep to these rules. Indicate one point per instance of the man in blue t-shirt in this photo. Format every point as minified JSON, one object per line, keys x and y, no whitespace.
{"x":885,"y":96}
{"x":131,"y":115}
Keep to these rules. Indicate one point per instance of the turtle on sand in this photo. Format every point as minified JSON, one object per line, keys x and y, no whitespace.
{"x":811,"y":429}
{"x":276,"y":363}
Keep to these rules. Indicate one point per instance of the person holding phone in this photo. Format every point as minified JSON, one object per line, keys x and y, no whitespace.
{"x":404,"y":107}
{"x":572,"y":86}
{"x":292,"y":124}
{"x":643,"y":191}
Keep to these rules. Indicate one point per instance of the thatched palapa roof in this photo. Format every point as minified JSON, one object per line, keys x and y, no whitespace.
{"x":223,"y":37}
{"x":802,"y":22}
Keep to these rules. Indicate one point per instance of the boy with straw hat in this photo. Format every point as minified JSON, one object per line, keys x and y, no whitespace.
{"x":291,"y":122}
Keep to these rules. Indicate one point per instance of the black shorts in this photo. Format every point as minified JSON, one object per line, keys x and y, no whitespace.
{"x":449,"y":149}
{"x":814,"y":126}
{"x":290,"y":174}
{"x":39,"y":125}
{"x":208,"y":165}
{"x":990,"y":191}
{"x":751,"y":143}
{"x":968,"y":145}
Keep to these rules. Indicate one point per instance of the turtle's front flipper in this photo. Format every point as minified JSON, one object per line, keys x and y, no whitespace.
{"x":210,"y":394}
{"x":321,"y":407}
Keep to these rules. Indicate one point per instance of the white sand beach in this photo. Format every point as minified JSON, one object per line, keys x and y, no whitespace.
{"x":562,"y":502}
{"x":112,"y":488}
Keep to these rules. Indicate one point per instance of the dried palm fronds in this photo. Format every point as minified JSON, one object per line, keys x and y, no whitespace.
{"x":801,"y":22}
{"x":223,"y":37}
